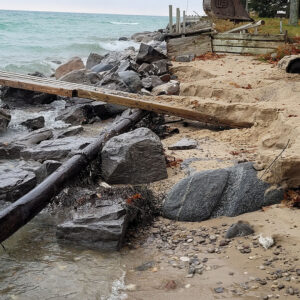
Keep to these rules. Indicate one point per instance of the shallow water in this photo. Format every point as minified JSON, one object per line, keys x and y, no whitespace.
{"x":35,"y":266}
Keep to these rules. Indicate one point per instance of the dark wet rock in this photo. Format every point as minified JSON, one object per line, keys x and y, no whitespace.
{"x":37,"y":74}
{"x":105,"y":110}
{"x":147,"y":54}
{"x":223,"y":192}
{"x":82,"y":77}
{"x":184,"y":144}
{"x":93,"y":60}
{"x":101,"y":228}
{"x":133,"y":158}
{"x":17,"y":97}
{"x":151,"y":82}
{"x":185,"y":58}
{"x":147,"y":36}
{"x":5,"y":118}
{"x":77,"y":115}
{"x":123,"y":38}
{"x":102,"y":67}
{"x":46,"y":169}
{"x":11,"y":150}
{"x":15,"y":180}
{"x":112,"y":81}
{"x":170,"y":88}
{"x":56,"y":149}
{"x":70,"y":131}
{"x":239,"y":229}
{"x":145,"y":69}
{"x":73,"y":64}
{"x":132,"y":80}
{"x":35,"y":123}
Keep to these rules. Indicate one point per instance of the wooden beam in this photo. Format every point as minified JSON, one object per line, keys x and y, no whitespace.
{"x":158,"y":104}
{"x":178,"y":25}
{"x":171,"y":18}
{"x":242,"y":50}
{"x":251,"y":37}
{"x":246,"y":43}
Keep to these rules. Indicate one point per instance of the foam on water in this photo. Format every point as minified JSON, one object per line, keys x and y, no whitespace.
{"x":118,"y":45}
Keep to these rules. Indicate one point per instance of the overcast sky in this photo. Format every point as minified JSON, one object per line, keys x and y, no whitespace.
{"x":139,"y":7}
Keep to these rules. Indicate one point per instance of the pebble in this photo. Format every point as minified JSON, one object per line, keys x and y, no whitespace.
{"x":219,"y":290}
{"x":185,"y":259}
{"x":130,"y":287}
{"x":171,"y":285}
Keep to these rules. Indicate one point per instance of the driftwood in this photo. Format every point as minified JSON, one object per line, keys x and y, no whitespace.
{"x":26,"y":208}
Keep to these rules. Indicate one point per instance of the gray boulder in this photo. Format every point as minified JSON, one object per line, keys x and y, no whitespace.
{"x":93,"y":60}
{"x":35,"y":123}
{"x":70,"y":131}
{"x":224,"y":192}
{"x":132,"y":80}
{"x":73,"y":64}
{"x":102,"y":67}
{"x":101,"y":228}
{"x":151,"y":82}
{"x":169,"y":88}
{"x":46,"y":169}
{"x":82,"y":77}
{"x":185,"y":58}
{"x":290,"y":64}
{"x":133,"y":158}
{"x":4,"y":119}
{"x":239,"y":229}
{"x":147,"y":54}
{"x":184,"y":144}
{"x":160,"y":67}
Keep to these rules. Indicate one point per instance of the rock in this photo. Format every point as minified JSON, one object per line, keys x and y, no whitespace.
{"x":184,"y":144}
{"x":170,"y":88}
{"x":239,"y":229}
{"x":75,"y":63}
{"x":290,"y":64}
{"x":11,"y":150}
{"x":145,"y":69}
{"x":133,"y":158}
{"x":15,"y":181}
{"x":160,"y":67}
{"x":77,"y":115}
{"x":93,"y":60}
{"x":223,"y":192}
{"x":81,"y":77}
{"x":34,"y":124}
{"x":70,"y":131}
{"x":146,"y":266}
{"x":16,"y":97}
{"x":56,"y":149}
{"x":185,"y":58}
{"x":151,"y":82}
{"x":102,"y":67}
{"x":36,"y":137}
{"x":147,"y":36}
{"x":219,"y":290}
{"x":148,"y":54}
{"x":171,"y":285}
{"x":123,"y":39}
{"x":165,"y":77}
{"x":100,"y":228}
{"x":47,"y":168}
{"x":105,"y":110}
{"x":113,"y":82}
{"x":132,"y":80}
{"x":4,"y":120}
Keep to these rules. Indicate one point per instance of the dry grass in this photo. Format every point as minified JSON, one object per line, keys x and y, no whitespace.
{"x":272,"y":26}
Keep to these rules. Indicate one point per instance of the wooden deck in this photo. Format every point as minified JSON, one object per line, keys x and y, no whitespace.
{"x":158,"y":104}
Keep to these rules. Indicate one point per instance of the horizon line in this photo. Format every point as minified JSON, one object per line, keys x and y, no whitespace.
{"x":77,"y":12}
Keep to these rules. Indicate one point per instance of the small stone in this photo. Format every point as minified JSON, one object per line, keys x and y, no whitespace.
{"x":184,"y":144}
{"x":130,"y":287}
{"x":185,"y":259}
{"x":171,"y":285}
{"x":290,"y":291}
{"x":219,"y":290}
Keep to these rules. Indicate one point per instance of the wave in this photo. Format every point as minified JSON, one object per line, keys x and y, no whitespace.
{"x":123,"y":23}
{"x":118,"y":45}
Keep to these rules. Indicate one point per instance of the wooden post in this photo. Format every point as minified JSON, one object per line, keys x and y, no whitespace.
{"x":281,"y":26}
{"x":171,"y":18}
{"x":177,"y":20}
{"x":184,"y":22}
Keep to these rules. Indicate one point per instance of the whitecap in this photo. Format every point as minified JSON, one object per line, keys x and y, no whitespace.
{"x":118,"y":45}
{"x":124,"y":23}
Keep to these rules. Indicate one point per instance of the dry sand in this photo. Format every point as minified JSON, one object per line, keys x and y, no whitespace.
{"x":237,"y":87}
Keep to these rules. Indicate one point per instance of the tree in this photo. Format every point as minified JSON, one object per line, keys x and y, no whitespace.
{"x":294,"y":12}
{"x":268,"y":9}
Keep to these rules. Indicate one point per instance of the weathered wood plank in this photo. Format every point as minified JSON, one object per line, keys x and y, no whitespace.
{"x":251,"y":37}
{"x":246,"y":43}
{"x":242,"y":50}
{"x":155,"y":104}
{"x":196,"y":45}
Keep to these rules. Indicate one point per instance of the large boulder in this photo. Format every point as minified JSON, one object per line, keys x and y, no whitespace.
{"x":81,"y":77}
{"x":151,"y":82}
{"x":147,"y":36}
{"x":102,"y":67}
{"x":93,"y":60}
{"x":290,"y":64}
{"x":4,"y":119}
{"x":223,"y":192}
{"x":147,"y":54}
{"x":75,"y":63}
{"x":132,"y":80}
{"x":133,"y":158}
{"x":101,"y":228}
